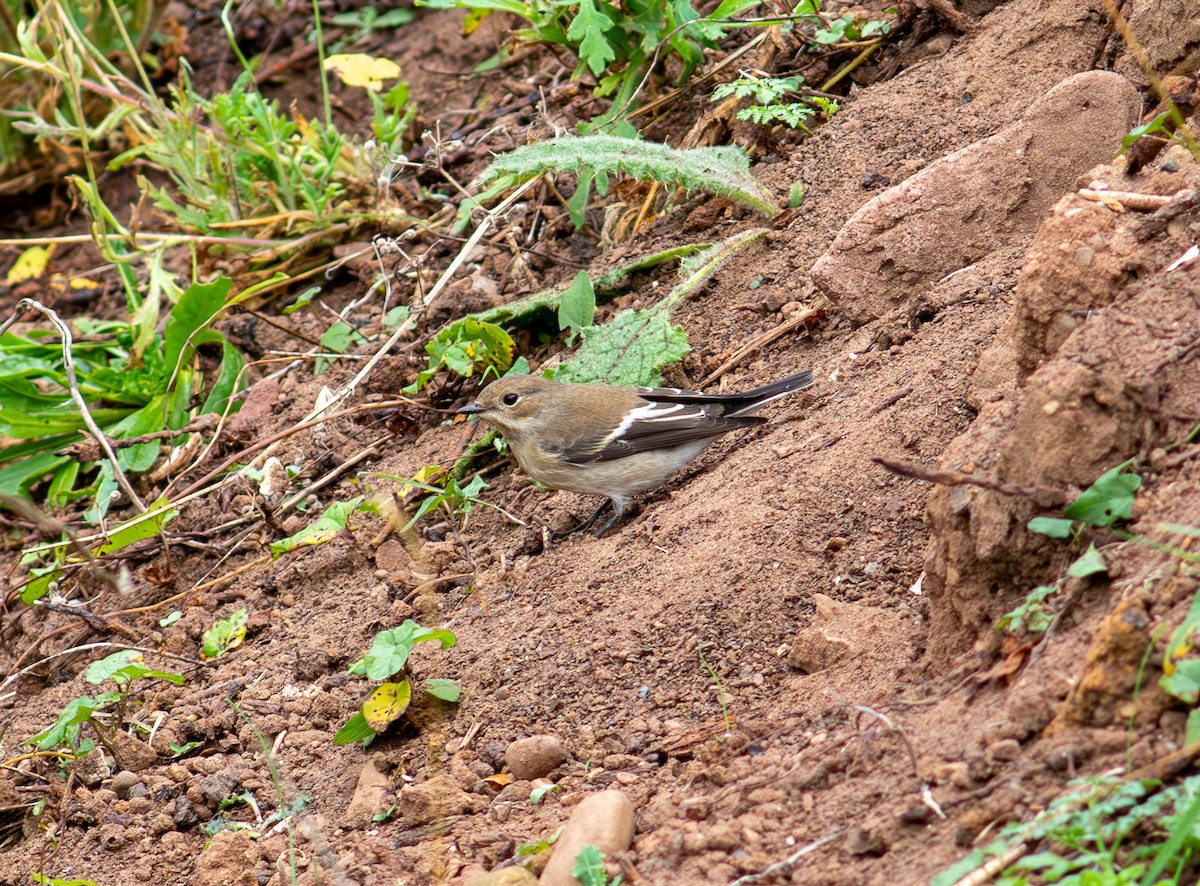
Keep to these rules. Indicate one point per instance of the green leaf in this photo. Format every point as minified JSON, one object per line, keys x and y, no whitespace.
{"x":197,"y":308}
{"x":66,"y":728}
{"x":328,"y":526}
{"x":578,"y":304}
{"x":589,"y":867}
{"x":146,"y":526}
{"x":588,"y":27}
{"x":227,"y":382}
{"x":446,"y":690}
{"x":1107,"y":500}
{"x":1090,"y":563}
{"x":124,"y":667}
{"x":951,"y":875}
{"x":224,"y":635}
{"x":390,"y":649}
{"x":354,"y":729}
{"x":723,"y":170}
{"x":1054,"y":527}
{"x":629,"y":350}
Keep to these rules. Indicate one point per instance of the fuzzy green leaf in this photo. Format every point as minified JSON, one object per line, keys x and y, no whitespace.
{"x":723,"y":170}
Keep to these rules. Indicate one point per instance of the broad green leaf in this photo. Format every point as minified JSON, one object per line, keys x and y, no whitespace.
{"x":139,"y":528}
{"x":1107,"y":500}
{"x":629,"y":350}
{"x":1091,"y":562}
{"x":354,"y":729}
{"x":446,"y":690}
{"x":390,"y":649}
{"x":1054,"y":527}
{"x":588,"y":27}
{"x":227,"y":383}
{"x":578,"y":305}
{"x":329,"y":525}
{"x":224,"y":635}
{"x":197,"y":308}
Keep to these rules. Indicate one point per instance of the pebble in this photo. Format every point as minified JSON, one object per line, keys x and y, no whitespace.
{"x":534,"y":757}
{"x":603,"y":820}
{"x":124,"y":781}
{"x":1005,"y":750}
{"x":371,"y":796}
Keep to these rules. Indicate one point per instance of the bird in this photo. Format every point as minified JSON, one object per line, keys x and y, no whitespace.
{"x":613,"y":441}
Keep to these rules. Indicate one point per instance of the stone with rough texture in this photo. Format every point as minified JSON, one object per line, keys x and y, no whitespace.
{"x":534,"y":757}
{"x":603,"y":820}
{"x":439,"y":797}
{"x":371,"y":796}
{"x":967,"y":204}
{"x":228,"y":860}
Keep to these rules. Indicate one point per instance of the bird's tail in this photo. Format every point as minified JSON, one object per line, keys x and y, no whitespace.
{"x":742,"y":404}
{"x":730,"y":405}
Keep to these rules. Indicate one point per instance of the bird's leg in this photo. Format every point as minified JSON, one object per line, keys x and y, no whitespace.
{"x":587,"y":524}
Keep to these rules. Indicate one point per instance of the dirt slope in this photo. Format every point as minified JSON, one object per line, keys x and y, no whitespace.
{"x":847,"y":613}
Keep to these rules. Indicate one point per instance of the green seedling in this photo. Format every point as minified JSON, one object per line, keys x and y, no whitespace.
{"x":617,"y":43}
{"x":122,"y":668}
{"x":1109,"y":499}
{"x":362,"y":22}
{"x":468,"y":347}
{"x":387,"y":661}
{"x":850,"y":28}
{"x":722,"y":698}
{"x":635,"y":345}
{"x":723,"y":171}
{"x":442,"y":490}
{"x":43,"y":880}
{"x":1035,"y":616}
{"x":333,"y":522}
{"x":589,"y":868}
{"x":536,"y":847}
{"x":224,"y":635}
{"x":1108,"y":832}
{"x":772,"y":104}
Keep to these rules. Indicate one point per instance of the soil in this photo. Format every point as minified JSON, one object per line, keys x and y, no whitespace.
{"x":789,"y":644}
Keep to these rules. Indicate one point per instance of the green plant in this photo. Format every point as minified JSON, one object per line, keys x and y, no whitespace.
{"x":38,"y":44}
{"x":589,"y":868}
{"x":468,"y":347}
{"x":616,"y":42}
{"x":850,"y":28}
{"x":771,"y":104}
{"x":724,"y":170}
{"x":1109,"y":499}
{"x":722,"y":698}
{"x":122,"y":668}
{"x":635,"y":345}
{"x":388,"y":661}
{"x":438,"y":488}
{"x":224,"y":634}
{"x":1107,"y":832}
{"x":132,"y":379}
{"x":1034,"y":616}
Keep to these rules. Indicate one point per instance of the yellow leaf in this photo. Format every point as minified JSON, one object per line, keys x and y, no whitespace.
{"x":30,"y":264}
{"x":360,"y":69}
{"x":386,"y":704}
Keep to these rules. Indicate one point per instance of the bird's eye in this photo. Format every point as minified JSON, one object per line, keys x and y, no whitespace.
{"x":510,"y":399}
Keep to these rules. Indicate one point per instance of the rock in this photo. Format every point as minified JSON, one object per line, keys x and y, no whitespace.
{"x":216,"y":787}
{"x":184,"y":815}
{"x":439,"y":797}
{"x":1004,"y":751}
{"x":228,"y":860}
{"x":969,"y":203}
{"x":534,"y":757}
{"x":515,"y":876}
{"x":372,"y":795}
{"x":603,"y":820}
{"x":864,"y":841}
{"x":124,"y":782}
{"x":840,"y":631}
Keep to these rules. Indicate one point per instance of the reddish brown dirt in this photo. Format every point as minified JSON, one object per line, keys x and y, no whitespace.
{"x":848,"y":613}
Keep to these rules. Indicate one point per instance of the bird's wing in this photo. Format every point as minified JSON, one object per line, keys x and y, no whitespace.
{"x":653,"y":426}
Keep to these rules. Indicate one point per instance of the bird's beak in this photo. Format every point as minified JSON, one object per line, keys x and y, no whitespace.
{"x":472,"y":409}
